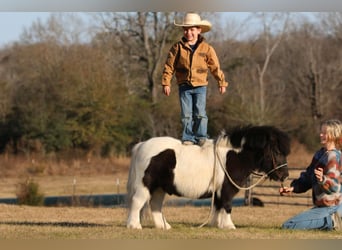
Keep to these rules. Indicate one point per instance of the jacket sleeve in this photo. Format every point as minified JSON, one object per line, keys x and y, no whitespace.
{"x":169,"y":67}
{"x":306,"y":178}
{"x":304,"y":182}
{"x":214,"y":67}
{"x":331,"y":175}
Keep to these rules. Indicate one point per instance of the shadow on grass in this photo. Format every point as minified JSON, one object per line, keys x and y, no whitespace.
{"x":238,"y":226}
{"x":56,"y":224}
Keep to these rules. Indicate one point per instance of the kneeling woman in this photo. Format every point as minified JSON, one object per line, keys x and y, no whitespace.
{"x":323,"y":176}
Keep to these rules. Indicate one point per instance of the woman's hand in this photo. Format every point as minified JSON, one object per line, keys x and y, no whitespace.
{"x":319,"y":174}
{"x":285,"y":190}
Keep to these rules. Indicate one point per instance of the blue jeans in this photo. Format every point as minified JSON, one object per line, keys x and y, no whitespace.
{"x":315,"y":218}
{"x":193,"y":112}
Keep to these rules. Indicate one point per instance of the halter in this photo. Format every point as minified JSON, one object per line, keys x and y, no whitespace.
{"x":273,"y":161}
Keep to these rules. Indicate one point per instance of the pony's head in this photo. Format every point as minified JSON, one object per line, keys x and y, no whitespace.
{"x":269,"y":147}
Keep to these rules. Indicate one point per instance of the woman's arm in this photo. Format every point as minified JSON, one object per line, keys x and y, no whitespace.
{"x":328,"y":178}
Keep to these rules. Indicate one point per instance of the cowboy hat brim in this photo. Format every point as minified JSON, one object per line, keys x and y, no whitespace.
{"x":204,"y":25}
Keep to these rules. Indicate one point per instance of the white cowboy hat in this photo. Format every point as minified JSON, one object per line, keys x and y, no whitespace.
{"x":193,"y":19}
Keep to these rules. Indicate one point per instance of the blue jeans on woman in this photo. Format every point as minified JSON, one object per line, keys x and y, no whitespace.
{"x":193,"y":112}
{"x":315,"y":218}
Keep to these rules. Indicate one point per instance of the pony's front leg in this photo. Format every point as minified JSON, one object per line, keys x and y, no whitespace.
{"x":156,"y":204}
{"x":222,"y":219}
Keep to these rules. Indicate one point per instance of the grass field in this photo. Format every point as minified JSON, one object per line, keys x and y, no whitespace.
{"x":25,"y":222}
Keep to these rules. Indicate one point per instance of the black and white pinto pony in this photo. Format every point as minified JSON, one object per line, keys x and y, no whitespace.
{"x":217,"y":169}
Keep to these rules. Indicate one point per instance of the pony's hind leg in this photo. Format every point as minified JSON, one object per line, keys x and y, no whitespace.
{"x":156,"y":204}
{"x":137,"y":202}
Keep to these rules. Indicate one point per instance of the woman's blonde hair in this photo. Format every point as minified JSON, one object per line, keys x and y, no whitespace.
{"x":334,"y":131}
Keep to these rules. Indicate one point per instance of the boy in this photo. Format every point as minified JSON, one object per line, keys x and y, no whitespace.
{"x":190,"y":59}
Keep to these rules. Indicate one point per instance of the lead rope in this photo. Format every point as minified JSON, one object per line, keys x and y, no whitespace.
{"x":217,"y":156}
{"x":214,"y":186}
{"x":262,"y":177}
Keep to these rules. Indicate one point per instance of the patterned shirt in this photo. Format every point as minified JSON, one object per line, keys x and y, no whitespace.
{"x":327,"y":192}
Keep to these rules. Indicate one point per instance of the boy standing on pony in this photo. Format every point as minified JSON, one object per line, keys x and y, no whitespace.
{"x":190,"y":59}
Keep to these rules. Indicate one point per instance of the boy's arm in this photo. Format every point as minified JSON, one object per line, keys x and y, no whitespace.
{"x":169,"y":67}
{"x":215,"y":70}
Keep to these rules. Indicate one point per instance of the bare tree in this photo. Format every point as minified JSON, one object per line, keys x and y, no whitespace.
{"x":256,"y":91}
{"x":312,"y":67}
{"x":5,"y":86}
{"x":332,"y":24}
{"x":60,"y":28}
{"x":271,"y":38}
{"x":143,"y":35}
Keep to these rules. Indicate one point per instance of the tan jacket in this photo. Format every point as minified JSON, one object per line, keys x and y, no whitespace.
{"x":192,"y":68}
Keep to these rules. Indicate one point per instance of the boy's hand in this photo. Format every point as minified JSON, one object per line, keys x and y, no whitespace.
{"x":222,"y":90}
{"x":166,"y":90}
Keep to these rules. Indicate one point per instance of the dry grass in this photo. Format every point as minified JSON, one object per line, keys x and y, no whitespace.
{"x":64,"y":185}
{"x":36,"y":165}
{"x":24,"y":222}
{"x":61,"y":177}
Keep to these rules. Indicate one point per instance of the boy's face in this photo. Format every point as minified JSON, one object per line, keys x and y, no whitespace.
{"x":191,"y":34}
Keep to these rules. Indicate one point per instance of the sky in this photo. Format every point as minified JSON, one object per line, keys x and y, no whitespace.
{"x":12,"y":24}
{"x":15,"y":15}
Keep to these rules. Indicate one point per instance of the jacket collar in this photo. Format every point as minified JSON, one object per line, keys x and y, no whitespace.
{"x":199,"y":40}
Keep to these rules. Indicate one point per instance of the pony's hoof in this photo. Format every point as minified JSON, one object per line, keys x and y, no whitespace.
{"x":165,"y":226}
{"x":229,"y":227}
{"x":134,"y":226}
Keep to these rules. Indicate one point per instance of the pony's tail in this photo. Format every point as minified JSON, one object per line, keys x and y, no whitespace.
{"x":132,"y":175}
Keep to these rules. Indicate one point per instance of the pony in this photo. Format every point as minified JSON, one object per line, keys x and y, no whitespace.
{"x":217,"y":169}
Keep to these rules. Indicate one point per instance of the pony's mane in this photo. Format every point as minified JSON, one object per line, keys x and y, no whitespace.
{"x":236,"y":135}
{"x":223,"y":140}
{"x":259,"y":136}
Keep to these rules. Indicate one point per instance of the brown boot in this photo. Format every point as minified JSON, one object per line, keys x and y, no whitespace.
{"x":337,"y":221}
{"x":188,"y":143}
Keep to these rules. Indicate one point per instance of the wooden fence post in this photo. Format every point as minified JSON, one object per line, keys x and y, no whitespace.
{"x":248,"y":192}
